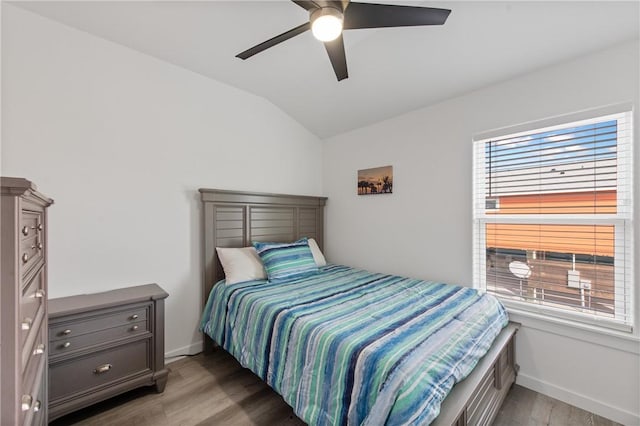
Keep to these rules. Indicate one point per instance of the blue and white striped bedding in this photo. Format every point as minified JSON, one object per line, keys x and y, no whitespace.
{"x":347,"y":346}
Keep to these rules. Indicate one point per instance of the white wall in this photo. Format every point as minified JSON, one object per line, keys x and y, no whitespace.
{"x":424,"y":228}
{"x":122,"y":142}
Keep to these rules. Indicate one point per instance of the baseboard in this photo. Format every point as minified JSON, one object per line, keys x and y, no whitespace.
{"x":578,"y":400}
{"x":192,"y":349}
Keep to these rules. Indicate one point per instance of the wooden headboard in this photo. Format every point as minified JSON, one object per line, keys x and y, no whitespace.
{"x":236,"y":219}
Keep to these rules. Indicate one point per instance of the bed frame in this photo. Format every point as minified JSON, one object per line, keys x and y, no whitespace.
{"x":236,"y":219}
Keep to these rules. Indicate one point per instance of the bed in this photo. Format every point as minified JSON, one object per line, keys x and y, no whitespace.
{"x":344,"y":346}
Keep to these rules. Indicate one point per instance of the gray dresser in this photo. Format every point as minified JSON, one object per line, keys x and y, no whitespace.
{"x":23,"y":311}
{"x":104,"y":344}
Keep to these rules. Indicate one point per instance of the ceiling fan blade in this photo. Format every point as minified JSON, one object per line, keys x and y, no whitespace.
{"x":338,"y":59}
{"x":371,"y":15}
{"x":306,"y":4}
{"x":273,"y":41}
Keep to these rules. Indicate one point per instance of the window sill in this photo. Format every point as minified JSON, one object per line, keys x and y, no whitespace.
{"x":619,"y":340}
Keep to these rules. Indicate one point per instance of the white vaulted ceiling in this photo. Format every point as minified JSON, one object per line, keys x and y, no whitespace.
{"x":391,"y":71}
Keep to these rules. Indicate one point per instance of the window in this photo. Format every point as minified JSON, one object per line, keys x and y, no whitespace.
{"x":552,"y":218}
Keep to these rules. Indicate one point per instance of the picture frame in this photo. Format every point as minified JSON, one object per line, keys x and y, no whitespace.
{"x":375,"y":181}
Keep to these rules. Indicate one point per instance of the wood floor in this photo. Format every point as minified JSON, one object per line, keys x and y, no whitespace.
{"x":215,"y":390}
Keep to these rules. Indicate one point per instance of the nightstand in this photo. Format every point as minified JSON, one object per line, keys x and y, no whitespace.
{"x":104,"y":344}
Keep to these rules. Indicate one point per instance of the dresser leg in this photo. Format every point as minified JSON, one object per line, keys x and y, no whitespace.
{"x":161,"y":382}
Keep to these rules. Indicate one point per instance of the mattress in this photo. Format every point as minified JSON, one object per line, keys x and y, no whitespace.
{"x":351,"y":347}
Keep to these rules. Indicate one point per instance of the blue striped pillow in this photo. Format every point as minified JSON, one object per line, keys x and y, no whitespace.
{"x":286,"y":261}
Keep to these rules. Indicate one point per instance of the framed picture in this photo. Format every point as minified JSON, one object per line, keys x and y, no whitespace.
{"x":378,"y":180}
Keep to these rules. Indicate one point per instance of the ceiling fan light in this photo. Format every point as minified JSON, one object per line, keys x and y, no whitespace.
{"x":326,"y":23}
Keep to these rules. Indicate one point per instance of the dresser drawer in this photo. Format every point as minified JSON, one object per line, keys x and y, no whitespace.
{"x":31,"y":376}
{"x":84,"y":341}
{"x":31,"y":302}
{"x":90,"y":372}
{"x":33,"y":401}
{"x":32,"y":241}
{"x":34,"y":351}
{"x":29,"y":327}
{"x":30,"y":260}
{"x":90,"y":324}
{"x":37,"y":416}
{"x":31,"y":224}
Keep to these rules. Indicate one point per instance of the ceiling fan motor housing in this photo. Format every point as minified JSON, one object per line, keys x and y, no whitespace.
{"x":326,"y":23}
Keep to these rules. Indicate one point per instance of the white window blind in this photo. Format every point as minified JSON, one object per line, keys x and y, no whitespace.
{"x":552,"y":219}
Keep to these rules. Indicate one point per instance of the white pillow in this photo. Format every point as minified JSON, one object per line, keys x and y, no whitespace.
{"x":317,"y":254}
{"x":241,"y":264}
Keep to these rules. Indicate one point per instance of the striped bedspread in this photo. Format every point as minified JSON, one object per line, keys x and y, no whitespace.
{"x":347,"y":346}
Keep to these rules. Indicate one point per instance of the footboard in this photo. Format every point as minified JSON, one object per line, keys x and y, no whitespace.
{"x":477,"y":399}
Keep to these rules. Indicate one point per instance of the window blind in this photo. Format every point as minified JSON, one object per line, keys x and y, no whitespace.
{"x":552,"y":219}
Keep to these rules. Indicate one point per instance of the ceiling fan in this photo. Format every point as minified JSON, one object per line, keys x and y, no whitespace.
{"x":327,"y":20}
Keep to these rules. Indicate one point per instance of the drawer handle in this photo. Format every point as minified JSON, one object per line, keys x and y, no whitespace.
{"x":40,"y":293}
{"x":134,"y":328}
{"x":26,"y":324}
{"x":27,"y":401}
{"x":102,"y":368}
{"x":39,"y":227}
{"x":25,"y":230}
{"x":65,"y":345}
{"x":39,"y":246}
{"x":25,"y":258}
{"x":36,"y":406}
{"x":39,"y":350}
{"x":65,"y":332}
{"x":133,"y":317}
